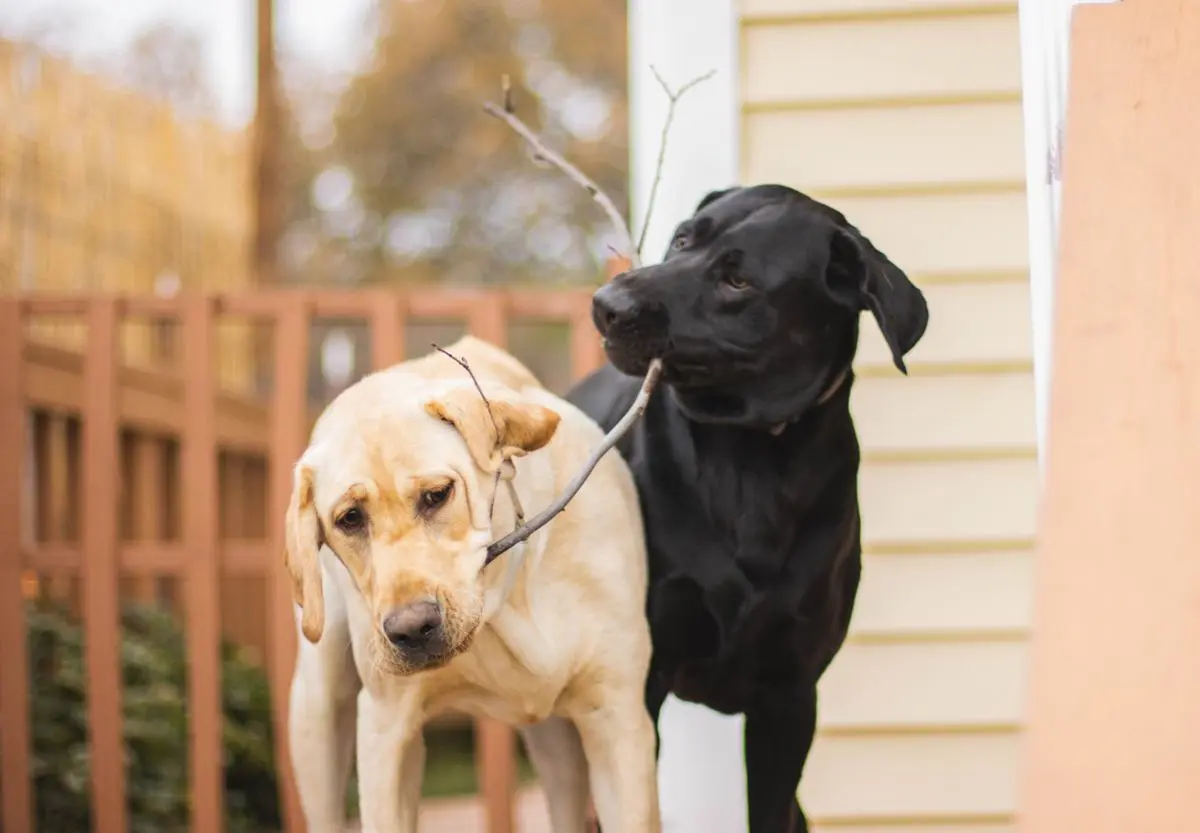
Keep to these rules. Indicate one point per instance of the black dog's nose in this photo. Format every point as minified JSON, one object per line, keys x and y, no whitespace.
{"x":612,"y":306}
{"x":414,"y":625}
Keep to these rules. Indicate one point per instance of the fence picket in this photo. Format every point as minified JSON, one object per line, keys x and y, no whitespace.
{"x":183,"y":524}
{"x":14,"y":671}
{"x":289,"y":408}
{"x":203,"y":571}
{"x":101,"y":613}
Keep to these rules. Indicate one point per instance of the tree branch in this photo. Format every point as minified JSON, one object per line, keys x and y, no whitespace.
{"x":672,"y":100}
{"x":560,"y":503}
{"x":541,"y":153}
{"x":512,"y":490}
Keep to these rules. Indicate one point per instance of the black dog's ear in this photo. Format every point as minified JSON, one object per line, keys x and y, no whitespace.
{"x":863,"y":276}
{"x":710,"y":196}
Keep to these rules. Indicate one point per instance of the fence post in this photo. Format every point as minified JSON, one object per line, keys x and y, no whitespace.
{"x":587,"y":352}
{"x":14,"y":682}
{"x":495,"y":742}
{"x":101,"y":602}
{"x":198,"y":449}
{"x":146,"y":502}
{"x":289,"y":422}
{"x":389,"y":314}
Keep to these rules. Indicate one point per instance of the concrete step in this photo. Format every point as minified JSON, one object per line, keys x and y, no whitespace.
{"x":465,"y":815}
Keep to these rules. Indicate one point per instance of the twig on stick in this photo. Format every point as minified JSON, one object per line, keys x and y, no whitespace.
{"x":463,"y":364}
{"x":512,"y":490}
{"x":672,"y":100}
{"x":545,"y":154}
{"x":541,"y":153}
{"x":560,"y":503}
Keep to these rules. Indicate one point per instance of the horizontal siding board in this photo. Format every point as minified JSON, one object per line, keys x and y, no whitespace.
{"x":915,"y":828}
{"x":944,"y":233}
{"x":880,"y":59}
{"x":815,"y":149}
{"x":910,"y":776}
{"x":948,"y":500}
{"x":750,"y":9}
{"x":968,"y":322}
{"x":898,"y":413}
{"x":927,"y":684}
{"x":955,"y":592}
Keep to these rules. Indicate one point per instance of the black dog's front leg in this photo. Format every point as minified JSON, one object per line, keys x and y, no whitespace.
{"x":778,"y":735}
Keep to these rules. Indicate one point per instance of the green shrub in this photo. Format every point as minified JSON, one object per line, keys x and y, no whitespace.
{"x":154,"y":671}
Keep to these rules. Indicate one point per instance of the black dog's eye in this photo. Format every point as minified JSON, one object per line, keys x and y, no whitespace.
{"x":433,"y":498}
{"x":351,"y":521}
{"x":734,"y":281}
{"x":679,"y":242}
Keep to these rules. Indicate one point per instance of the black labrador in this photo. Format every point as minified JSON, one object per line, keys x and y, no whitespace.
{"x":746,"y":459}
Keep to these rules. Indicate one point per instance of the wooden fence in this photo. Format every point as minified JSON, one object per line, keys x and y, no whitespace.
{"x":114,"y":478}
{"x":108,"y":189}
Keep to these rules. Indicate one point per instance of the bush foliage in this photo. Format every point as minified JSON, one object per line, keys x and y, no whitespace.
{"x":154,"y":671}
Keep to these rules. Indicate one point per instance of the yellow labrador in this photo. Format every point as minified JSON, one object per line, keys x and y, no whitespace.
{"x":395,"y":500}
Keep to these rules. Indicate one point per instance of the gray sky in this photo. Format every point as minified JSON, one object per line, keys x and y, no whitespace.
{"x":323,"y":31}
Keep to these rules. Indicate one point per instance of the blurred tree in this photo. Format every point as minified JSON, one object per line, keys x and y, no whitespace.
{"x":416,"y":181}
{"x":166,"y":61}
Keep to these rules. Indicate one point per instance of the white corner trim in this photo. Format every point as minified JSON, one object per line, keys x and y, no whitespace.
{"x":701,"y":773}
{"x":1045,"y":65}
{"x":682,"y":39}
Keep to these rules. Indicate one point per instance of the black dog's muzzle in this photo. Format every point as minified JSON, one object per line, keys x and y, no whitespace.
{"x":633,"y":326}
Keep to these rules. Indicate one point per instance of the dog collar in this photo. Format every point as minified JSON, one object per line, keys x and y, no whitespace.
{"x":837,"y":382}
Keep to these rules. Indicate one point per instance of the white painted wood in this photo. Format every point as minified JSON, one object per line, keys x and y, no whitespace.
{"x":914,"y":776}
{"x":701,"y":775}
{"x":951,"y":234}
{"x":972,"y":321}
{"x":881,"y":59}
{"x":958,"y":500}
{"x":753,"y":9}
{"x":938,"y":685}
{"x":945,"y":593}
{"x":884,"y":146}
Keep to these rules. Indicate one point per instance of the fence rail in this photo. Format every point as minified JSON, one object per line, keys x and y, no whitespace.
{"x":114,"y":478}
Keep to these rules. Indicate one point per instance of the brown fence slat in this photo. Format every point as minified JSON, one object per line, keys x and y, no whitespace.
{"x":54,"y":494}
{"x":495,"y":742}
{"x":449,"y":303}
{"x":587,"y":352}
{"x":203,"y":577}
{"x":341,"y":304}
{"x":288,"y":426}
{"x":388,"y":318}
{"x":545,"y":305}
{"x":14,"y":670}
{"x":239,"y":558}
{"x":147,"y":504}
{"x":100,"y":569}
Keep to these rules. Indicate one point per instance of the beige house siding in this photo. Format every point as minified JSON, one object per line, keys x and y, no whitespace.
{"x":906,"y":115}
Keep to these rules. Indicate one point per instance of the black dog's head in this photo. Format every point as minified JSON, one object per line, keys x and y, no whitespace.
{"x":754,"y":311}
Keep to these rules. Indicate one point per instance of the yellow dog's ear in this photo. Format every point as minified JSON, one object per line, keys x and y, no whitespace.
{"x":524,"y":426}
{"x":303,"y":542}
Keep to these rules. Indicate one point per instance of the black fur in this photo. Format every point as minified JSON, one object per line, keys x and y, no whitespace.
{"x":747,"y":460}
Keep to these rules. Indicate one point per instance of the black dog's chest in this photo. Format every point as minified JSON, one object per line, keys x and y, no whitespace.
{"x":731,"y":606}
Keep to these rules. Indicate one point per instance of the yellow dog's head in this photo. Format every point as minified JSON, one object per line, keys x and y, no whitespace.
{"x":398,"y":481}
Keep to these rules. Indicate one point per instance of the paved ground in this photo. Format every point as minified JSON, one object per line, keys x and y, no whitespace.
{"x":465,"y":815}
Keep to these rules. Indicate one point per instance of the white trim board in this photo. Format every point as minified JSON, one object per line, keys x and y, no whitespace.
{"x":701,"y":774}
{"x":1045,"y":64}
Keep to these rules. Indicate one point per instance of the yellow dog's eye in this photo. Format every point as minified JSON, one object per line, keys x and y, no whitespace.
{"x":351,"y":521}
{"x":433,"y":498}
